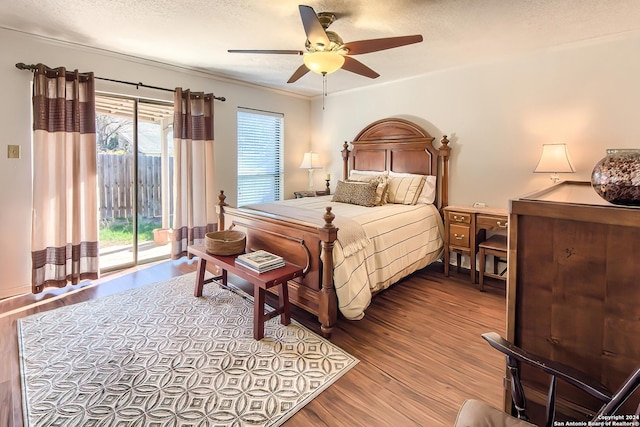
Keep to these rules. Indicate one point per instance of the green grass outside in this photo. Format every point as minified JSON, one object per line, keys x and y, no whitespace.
{"x":120,"y":231}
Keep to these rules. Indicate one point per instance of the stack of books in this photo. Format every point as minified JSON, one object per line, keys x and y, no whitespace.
{"x":260,"y":261}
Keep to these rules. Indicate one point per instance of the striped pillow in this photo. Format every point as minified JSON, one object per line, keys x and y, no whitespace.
{"x":428,"y":193}
{"x":405,"y":190}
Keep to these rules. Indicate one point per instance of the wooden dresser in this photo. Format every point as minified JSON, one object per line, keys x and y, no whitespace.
{"x":573,"y":292}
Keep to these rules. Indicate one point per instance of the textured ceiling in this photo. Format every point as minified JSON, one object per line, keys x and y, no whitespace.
{"x":197,"y":33}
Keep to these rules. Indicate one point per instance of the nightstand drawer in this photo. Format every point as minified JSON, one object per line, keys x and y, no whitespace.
{"x":459,"y":235}
{"x":461,"y":218}
{"x":491,"y":222}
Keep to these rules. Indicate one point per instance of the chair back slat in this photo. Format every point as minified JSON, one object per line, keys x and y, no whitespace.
{"x":515,"y":356}
{"x":621,"y":396}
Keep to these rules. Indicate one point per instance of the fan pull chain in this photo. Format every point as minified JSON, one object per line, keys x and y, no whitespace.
{"x":324,"y":88}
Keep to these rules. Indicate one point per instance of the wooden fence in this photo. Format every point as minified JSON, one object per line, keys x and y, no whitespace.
{"x":115,"y":183}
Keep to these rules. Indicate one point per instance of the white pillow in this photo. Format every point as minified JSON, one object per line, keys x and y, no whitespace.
{"x":428,"y":193}
{"x":369,"y":173}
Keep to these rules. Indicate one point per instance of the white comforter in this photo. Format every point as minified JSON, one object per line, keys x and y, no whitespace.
{"x":399,"y":240}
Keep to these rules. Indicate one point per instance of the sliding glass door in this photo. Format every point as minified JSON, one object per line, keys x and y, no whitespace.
{"x":135,"y":165}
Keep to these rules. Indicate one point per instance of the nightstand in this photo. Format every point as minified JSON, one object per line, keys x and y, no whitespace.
{"x":465,"y":229}
{"x":311,"y":193}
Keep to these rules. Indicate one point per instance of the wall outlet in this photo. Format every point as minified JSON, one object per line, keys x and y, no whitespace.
{"x":13,"y":151}
{"x":479,"y":205}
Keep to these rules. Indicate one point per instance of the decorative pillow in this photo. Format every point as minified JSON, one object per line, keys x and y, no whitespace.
{"x":380,"y":180}
{"x":405,"y":190}
{"x":428,"y":193}
{"x":356,"y":193}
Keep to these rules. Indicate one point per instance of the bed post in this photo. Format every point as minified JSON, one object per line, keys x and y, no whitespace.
{"x":221,"y":205}
{"x":444,"y":152}
{"x":328,"y":301}
{"x":345,"y":160}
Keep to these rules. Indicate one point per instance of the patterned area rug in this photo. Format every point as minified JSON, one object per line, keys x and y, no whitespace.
{"x":160,"y":356}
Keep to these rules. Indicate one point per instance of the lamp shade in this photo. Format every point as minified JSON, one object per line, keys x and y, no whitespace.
{"x":324,"y":62}
{"x":554,"y":159}
{"x":310,"y":161}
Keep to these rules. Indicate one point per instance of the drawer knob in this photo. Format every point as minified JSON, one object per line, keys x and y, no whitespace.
{"x":458,"y":218}
{"x":502,"y":224}
{"x":458,"y":236}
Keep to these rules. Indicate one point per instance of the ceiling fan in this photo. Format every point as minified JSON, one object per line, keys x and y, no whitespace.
{"x":325,"y":50}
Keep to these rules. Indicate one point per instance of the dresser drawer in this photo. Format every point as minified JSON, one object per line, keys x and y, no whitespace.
{"x":459,"y":235}
{"x":491,"y":222}
{"x":461,"y":218}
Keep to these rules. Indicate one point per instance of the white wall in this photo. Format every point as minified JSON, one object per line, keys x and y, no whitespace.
{"x":498,"y":115}
{"x":15,"y":122}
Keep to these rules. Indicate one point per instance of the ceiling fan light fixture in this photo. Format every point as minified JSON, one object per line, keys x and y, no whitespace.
{"x":325,"y":62}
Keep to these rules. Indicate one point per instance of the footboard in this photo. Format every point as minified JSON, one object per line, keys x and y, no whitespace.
{"x":298,"y":242}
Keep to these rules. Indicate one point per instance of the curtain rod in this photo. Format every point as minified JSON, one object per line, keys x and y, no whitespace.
{"x":23,"y":66}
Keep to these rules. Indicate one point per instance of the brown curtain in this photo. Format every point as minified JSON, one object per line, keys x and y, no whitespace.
{"x":195,"y":186}
{"x":64,"y":237}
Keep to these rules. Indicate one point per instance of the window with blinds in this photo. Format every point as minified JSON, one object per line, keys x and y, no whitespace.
{"x":259,"y":156}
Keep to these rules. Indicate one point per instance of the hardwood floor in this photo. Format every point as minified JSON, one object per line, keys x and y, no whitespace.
{"x":419,"y":345}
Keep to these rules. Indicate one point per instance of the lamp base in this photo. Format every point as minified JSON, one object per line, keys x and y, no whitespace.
{"x":310,"y":179}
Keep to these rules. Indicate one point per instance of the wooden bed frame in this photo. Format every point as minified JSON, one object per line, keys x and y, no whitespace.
{"x":390,"y":144}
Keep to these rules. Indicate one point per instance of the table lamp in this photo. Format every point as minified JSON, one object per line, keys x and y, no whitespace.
{"x":311,"y":162}
{"x":554,"y":160}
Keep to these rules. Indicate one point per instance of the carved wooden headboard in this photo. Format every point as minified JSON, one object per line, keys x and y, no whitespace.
{"x":399,"y":145}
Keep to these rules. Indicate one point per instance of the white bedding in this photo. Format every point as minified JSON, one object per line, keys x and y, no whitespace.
{"x":400,"y":239}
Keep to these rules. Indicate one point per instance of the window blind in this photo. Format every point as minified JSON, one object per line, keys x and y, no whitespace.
{"x":259,"y":156}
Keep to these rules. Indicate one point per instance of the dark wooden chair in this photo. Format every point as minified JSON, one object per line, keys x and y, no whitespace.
{"x":477,"y":413}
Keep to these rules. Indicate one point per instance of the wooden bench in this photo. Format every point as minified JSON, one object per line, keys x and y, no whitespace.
{"x":261,"y":282}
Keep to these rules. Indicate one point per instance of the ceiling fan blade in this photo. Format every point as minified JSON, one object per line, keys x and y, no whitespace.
{"x":301,"y":71}
{"x":282,"y":52}
{"x":312,"y":27}
{"x":374,"y":45}
{"x":358,"y":67}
